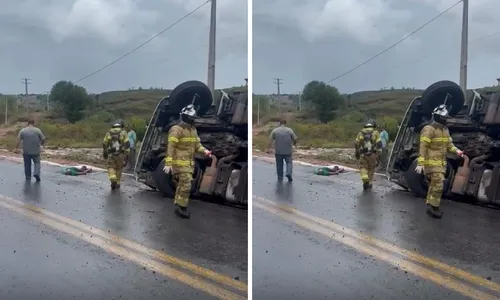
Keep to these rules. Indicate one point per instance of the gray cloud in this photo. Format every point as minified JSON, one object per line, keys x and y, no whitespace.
{"x":301,"y":41}
{"x":51,"y":40}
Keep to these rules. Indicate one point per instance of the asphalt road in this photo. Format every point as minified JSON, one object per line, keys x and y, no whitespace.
{"x":324,"y":238}
{"x":72,"y":238}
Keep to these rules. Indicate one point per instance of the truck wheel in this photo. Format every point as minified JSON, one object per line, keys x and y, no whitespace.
{"x":417,"y":182}
{"x":165,"y":183}
{"x":435,"y":95}
{"x":183,"y":94}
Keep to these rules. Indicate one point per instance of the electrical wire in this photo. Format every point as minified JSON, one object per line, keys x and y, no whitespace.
{"x":143,"y":44}
{"x":397,"y":43}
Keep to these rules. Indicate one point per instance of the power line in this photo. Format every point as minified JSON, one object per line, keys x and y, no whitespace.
{"x":156,"y":62}
{"x":397,"y":43}
{"x":143,"y":44}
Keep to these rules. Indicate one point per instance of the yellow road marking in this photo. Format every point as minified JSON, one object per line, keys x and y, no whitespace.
{"x":159,"y":255}
{"x":390,"y":247}
{"x":376,"y":250}
{"x":168,"y":271}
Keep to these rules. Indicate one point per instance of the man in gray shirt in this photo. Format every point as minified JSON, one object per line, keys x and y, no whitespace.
{"x":284,"y":139}
{"x":32,"y":139}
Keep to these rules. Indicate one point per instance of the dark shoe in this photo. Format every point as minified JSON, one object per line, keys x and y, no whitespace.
{"x":280,"y":178}
{"x":182,"y":212}
{"x":117,"y":186}
{"x":28,"y":178}
{"x":434,"y":212}
{"x":37,"y":177}
{"x":366,"y":186}
{"x":289,"y":177}
{"x":370,"y":186}
{"x":113,"y":185}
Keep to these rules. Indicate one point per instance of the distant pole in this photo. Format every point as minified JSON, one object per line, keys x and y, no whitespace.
{"x":300,"y":101}
{"x":48,"y":100}
{"x":26,"y":81}
{"x":6,"y":110}
{"x":258,"y":110}
{"x":465,"y":41}
{"x":278,"y":82}
{"x":211,"y":47}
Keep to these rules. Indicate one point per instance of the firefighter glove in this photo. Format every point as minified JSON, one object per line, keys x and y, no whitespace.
{"x":419,"y":169}
{"x":167,"y":169}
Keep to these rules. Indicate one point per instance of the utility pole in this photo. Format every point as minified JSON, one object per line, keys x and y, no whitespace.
{"x":6,"y":110}
{"x":26,"y":81}
{"x":465,"y":42}
{"x":278,"y":82}
{"x":258,"y":110}
{"x":211,"y":47}
{"x":48,"y":100}
{"x":300,"y":101}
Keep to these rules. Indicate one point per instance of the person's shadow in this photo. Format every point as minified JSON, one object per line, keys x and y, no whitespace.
{"x":32,"y":191}
{"x":284,"y":191}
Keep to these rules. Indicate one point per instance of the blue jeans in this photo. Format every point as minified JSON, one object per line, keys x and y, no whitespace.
{"x":27,"y":165}
{"x":279,"y":165}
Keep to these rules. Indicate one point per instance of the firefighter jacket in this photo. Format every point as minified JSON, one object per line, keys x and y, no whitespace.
{"x":368,"y":141}
{"x":435,"y":143}
{"x":116,"y":142}
{"x":182,"y":144}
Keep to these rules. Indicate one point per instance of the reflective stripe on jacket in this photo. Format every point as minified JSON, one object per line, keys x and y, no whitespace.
{"x":360,"y":140}
{"x":182,"y":144}
{"x":123,"y":139}
{"x":435,"y":143}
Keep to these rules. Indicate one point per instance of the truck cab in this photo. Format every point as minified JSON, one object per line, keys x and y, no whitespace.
{"x":222,"y":128}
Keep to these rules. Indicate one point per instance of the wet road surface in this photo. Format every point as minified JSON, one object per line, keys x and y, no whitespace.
{"x":71,"y":238}
{"x":324,"y":238}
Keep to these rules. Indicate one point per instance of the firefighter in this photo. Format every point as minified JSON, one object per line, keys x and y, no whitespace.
{"x":435,"y":143}
{"x":183,"y":143}
{"x":367,"y":149}
{"x":115,"y":148}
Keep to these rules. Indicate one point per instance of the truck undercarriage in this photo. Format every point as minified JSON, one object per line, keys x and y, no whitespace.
{"x":222,"y":128}
{"x":475,"y":129}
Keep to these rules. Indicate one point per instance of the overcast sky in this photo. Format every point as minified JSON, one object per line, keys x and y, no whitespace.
{"x":51,"y":40}
{"x":301,"y":41}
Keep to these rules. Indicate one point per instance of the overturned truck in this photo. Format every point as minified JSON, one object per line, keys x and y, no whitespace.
{"x":222,"y":128}
{"x":475,"y":128}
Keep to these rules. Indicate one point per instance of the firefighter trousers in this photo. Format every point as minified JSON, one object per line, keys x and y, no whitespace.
{"x":435,"y":190}
{"x":183,"y":190}
{"x":115,"y":167}
{"x":367,"y":165}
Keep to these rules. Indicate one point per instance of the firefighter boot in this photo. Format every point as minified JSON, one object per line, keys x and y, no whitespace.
{"x":434,"y":212}
{"x":367,"y":185}
{"x":114,"y":185}
{"x":182,"y":212}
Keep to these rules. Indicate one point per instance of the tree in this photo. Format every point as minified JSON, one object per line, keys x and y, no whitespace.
{"x":71,"y":100}
{"x":324,"y":98}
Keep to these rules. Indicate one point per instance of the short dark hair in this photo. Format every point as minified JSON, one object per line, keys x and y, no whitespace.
{"x":283,"y":121}
{"x":31,"y":122}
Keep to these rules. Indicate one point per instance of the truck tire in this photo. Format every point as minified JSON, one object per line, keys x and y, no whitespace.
{"x":165,"y":184}
{"x":182,"y":95}
{"x":417,"y":182}
{"x":435,"y":95}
